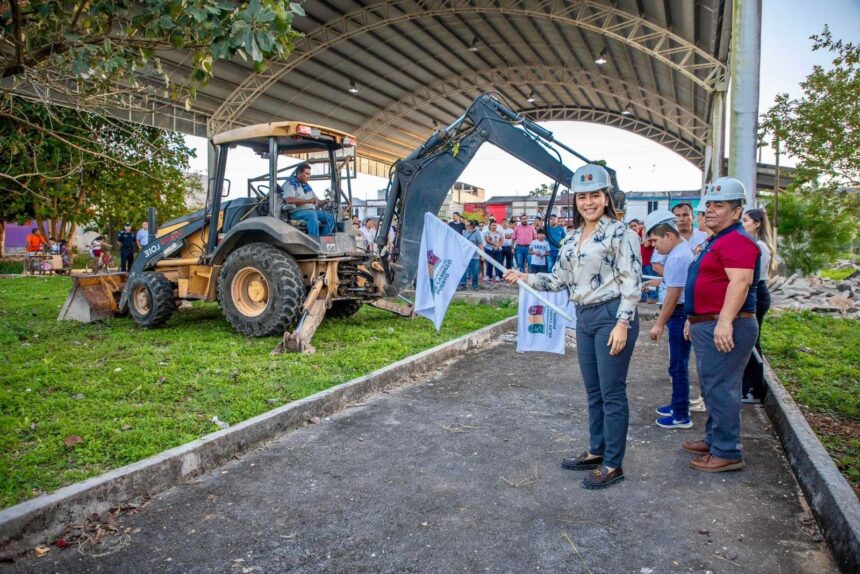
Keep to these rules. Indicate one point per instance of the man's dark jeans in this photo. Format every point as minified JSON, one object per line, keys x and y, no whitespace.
{"x":605,"y":378}
{"x":720,"y":376}
{"x":679,"y":364}
{"x":472,"y":270}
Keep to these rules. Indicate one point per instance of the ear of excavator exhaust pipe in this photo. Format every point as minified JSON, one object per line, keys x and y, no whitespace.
{"x":93,"y":297}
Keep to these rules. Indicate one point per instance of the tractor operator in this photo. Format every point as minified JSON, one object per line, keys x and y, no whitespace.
{"x":303,"y":204}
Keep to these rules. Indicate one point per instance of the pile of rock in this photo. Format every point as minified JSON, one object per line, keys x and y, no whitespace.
{"x":818,"y":294}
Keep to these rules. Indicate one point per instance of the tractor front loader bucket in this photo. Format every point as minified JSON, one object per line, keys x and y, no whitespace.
{"x":93,"y":297}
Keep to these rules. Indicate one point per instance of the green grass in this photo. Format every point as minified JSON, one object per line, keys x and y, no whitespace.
{"x":817,"y":358}
{"x":130,"y":393}
{"x":837,"y":274}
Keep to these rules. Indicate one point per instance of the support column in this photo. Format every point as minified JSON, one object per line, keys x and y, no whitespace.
{"x":745,"y":61}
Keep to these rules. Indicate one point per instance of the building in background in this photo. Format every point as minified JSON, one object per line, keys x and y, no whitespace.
{"x":461,"y":195}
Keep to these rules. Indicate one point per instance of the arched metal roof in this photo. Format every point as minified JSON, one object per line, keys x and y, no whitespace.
{"x":418,"y":63}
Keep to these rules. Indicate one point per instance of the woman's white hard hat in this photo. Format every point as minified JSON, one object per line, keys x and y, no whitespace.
{"x":590,"y":177}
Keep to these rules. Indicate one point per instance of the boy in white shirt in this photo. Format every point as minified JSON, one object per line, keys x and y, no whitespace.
{"x":661,"y":226}
{"x":538,"y":250}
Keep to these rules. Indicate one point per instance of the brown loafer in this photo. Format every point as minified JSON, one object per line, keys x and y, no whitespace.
{"x":711,"y":463}
{"x":696,"y":446}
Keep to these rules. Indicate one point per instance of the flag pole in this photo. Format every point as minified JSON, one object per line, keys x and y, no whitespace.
{"x":526,"y":286}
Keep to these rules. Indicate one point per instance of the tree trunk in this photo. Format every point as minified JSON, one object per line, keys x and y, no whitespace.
{"x":2,"y":239}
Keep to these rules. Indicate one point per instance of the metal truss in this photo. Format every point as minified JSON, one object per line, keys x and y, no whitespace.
{"x":654,"y":133}
{"x":604,"y":19}
{"x":693,"y":129}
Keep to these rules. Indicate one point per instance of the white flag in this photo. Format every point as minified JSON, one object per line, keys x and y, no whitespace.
{"x":539,"y":328}
{"x":444,"y":257}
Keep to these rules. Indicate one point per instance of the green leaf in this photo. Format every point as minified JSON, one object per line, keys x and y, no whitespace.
{"x":80,"y":67}
{"x":265,"y":40}
{"x":297,"y":9}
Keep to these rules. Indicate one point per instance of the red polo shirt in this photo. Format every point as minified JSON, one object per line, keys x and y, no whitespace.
{"x":707,"y":281}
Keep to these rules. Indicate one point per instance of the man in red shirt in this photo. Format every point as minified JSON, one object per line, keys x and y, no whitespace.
{"x":523,"y":236}
{"x":721,"y":323}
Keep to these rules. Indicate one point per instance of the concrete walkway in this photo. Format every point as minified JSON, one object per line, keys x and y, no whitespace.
{"x":459,"y":472}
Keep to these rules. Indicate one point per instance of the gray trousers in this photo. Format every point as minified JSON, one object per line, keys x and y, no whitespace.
{"x":605,"y":379}
{"x":720,"y":376}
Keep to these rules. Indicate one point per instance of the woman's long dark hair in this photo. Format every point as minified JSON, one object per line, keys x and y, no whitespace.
{"x":609,"y":210}
{"x":765,"y":234}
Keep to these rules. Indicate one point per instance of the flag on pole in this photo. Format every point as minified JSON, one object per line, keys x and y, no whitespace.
{"x":444,"y":257}
{"x":540,"y":328}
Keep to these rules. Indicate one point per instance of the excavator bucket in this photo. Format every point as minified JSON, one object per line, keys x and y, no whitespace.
{"x":93,"y":297}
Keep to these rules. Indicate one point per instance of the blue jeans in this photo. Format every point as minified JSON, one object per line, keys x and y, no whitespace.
{"x":472,"y":271}
{"x":551,"y":258}
{"x":314,"y":218}
{"x":649,"y":293}
{"x":522,"y":254}
{"x":605,"y":378}
{"x":720,"y":375}
{"x":533,"y":268}
{"x":679,"y":364}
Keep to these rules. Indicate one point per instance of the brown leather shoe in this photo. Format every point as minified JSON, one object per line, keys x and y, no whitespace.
{"x":711,"y":463}
{"x":602,"y":477}
{"x":696,"y":446}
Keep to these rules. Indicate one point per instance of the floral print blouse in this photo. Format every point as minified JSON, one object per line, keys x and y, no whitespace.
{"x":607,"y":265}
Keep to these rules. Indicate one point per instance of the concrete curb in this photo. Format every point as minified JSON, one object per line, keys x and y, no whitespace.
{"x":37,"y":521}
{"x":831,"y":497}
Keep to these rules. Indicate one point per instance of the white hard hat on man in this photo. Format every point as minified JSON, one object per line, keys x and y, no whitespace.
{"x":725,"y":189}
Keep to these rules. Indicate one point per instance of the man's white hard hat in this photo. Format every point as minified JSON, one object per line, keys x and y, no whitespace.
{"x":725,"y":189}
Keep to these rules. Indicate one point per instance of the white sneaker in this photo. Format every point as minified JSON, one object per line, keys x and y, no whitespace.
{"x":698,"y":406}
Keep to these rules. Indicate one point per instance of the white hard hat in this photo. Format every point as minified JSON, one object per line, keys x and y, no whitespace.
{"x":701,"y":208}
{"x":659,"y":216}
{"x":725,"y":189}
{"x":590,"y":177}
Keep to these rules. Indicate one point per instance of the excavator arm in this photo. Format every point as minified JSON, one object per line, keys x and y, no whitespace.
{"x":420,"y":182}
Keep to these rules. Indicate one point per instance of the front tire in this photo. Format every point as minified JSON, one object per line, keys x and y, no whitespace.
{"x":150,"y":299}
{"x":260,"y":290}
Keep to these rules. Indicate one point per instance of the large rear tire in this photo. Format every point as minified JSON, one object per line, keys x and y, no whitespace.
{"x":260,"y":290}
{"x":343,"y":308}
{"x":150,"y":299}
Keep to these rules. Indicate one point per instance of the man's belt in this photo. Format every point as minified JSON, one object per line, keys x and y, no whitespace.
{"x":705,"y":318}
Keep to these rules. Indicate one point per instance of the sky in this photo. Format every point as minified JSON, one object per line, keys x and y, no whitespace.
{"x":642,"y":165}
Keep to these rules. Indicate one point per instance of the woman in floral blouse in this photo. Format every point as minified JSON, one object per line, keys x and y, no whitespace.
{"x":601,"y":267}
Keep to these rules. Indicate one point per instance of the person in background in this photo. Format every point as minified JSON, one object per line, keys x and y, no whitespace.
{"x":661,"y":227}
{"x":693,"y":237}
{"x":522,"y":237}
{"x":755,"y":221}
{"x":493,"y":246}
{"x":457,"y":223}
{"x":472,"y":234}
{"x":721,"y":323}
{"x":368,"y":231}
{"x":538,"y":223}
{"x":126,"y":247}
{"x":508,"y":243}
{"x":555,"y":233}
{"x":601,"y":268}
{"x":356,"y":222}
{"x":142,"y":235}
{"x":35,"y":242}
{"x":538,"y":251}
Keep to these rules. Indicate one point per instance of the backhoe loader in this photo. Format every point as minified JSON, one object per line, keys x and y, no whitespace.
{"x":267,"y":274}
